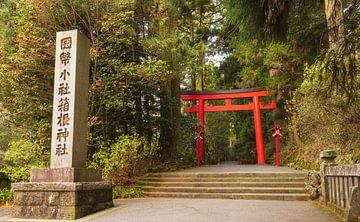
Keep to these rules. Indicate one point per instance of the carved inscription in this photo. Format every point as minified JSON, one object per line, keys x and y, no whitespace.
{"x":63,"y":118}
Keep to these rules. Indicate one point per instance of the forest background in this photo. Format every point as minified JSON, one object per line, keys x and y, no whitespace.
{"x":143,"y":52}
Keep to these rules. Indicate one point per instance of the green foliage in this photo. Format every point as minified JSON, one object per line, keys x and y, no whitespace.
{"x":257,"y":19}
{"x":121,"y":160}
{"x":307,"y":25}
{"x":284,"y":67}
{"x":127,"y":192}
{"x":6,"y":195}
{"x":217,"y":136}
{"x":321,"y":122}
{"x":23,"y":155}
{"x":337,"y":72}
{"x":245,"y":136}
{"x":274,"y":66}
{"x":188,"y":128}
{"x":247,"y":16}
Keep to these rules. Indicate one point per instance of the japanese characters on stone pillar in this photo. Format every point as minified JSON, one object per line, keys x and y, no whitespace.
{"x":67,"y":190}
{"x":69,"y":122}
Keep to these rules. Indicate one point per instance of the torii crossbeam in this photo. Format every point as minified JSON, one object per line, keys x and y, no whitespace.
{"x":228,"y":95}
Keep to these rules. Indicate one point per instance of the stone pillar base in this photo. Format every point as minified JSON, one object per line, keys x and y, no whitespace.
{"x":61,"y":193}
{"x":54,"y":200}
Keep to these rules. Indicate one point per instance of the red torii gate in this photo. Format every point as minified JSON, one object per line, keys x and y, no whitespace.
{"x":228,"y":95}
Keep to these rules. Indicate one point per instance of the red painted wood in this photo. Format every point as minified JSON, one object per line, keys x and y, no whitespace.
{"x":224,"y":96}
{"x":200,"y":145}
{"x":277,"y":133}
{"x":227,"y":102}
{"x":258,"y":131}
{"x":250,"y":106}
{"x":277,"y":151}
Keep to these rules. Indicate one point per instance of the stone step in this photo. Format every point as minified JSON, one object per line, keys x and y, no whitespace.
{"x":227,"y":174}
{"x":221,"y":184}
{"x":254,"y":196}
{"x":284,"y":190}
{"x":225,"y":179}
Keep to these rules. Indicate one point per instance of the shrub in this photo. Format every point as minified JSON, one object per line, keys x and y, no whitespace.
{"x":189,"y":126}
{"x":6,"y":195}
{"x":127,"y":192}
{"x":23,"y":155}
{"x":321,"y":122}
{"x":121,"y":161}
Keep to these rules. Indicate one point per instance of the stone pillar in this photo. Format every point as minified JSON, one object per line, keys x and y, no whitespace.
{"x":328,"y":158}
{"x":70,"y":106}
{"x":67,"y":190}
{"x":353,"y":213}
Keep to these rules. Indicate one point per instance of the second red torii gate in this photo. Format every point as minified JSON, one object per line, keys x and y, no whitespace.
{"x":228,"y":95}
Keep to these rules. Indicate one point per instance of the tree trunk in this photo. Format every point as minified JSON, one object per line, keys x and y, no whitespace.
{"x":170,"y":104}
{"x":202,"y":56}
{"x":192,"y":39}
{"x":165,"y":139}
{"x":335,"y":23}
{"x":202,"y":61}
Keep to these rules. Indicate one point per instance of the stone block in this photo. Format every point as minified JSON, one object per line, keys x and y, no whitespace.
{"x":61,"y":200}
{"x":46,"y":186}
{"x":328,"y":156}
{"x":66,"y":174}
{"x":89,"y":197}
{"x":29,"y":198}
{"x":52,"y":198}
{"x":38,"y":211}
{"x":67,"y":212}
{"x":68,"y":199}
{"x":353,"y":213}
{"x":96,"y":185}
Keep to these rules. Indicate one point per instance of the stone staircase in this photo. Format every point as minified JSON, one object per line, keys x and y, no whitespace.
{"x":224,"y":185}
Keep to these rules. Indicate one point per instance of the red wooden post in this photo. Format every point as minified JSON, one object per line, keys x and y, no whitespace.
{"x":258,"y":131}
{"x":201,"y":144}
{"x":277,"y":133}
{"x":252,"y":155}
{"x":277,"y":151}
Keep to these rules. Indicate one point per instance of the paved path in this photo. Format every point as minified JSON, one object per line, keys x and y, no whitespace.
{"x":204,"y":210}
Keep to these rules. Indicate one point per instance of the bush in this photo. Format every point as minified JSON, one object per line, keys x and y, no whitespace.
{"x":127,"y":192}
{"x":122,"y":160}
{"x":321,"y":122}
{"x":6,"y":195}
{"x":189,"y":126}
{"x":21,"y":156}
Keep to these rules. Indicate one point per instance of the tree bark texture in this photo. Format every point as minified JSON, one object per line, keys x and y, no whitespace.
{"x":335,"y":23}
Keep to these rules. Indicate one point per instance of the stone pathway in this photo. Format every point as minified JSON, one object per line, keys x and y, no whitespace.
{"x":228,"y":181}
{"x":202,"y":210}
